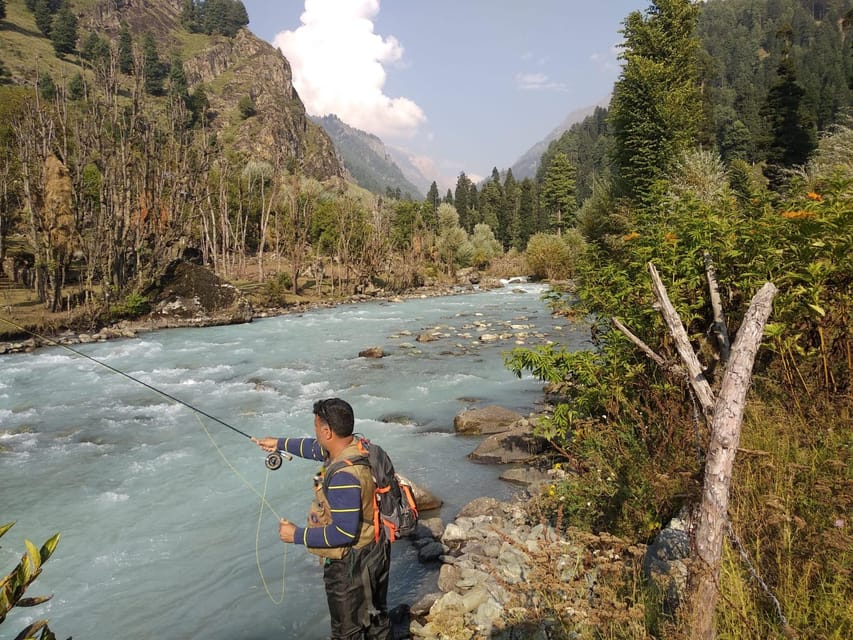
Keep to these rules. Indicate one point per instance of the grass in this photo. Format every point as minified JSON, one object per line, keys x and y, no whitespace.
{"x":791,"y":504}
{"x":22,"y":44}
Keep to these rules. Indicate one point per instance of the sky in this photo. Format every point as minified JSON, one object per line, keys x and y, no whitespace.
{"x":462,"y":85}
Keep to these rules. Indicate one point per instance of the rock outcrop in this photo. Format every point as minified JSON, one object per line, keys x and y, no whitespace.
{"x":229,"y":69}
{"x":191,"y":295}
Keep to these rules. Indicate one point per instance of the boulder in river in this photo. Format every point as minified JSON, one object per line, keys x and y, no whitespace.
{"x":486,"y":420}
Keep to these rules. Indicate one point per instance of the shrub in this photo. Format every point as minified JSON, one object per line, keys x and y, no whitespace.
{"x":277,"y":288}
{"x":554,"y":257}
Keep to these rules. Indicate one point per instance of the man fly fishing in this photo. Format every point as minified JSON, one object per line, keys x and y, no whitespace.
{"x":341,"y":527}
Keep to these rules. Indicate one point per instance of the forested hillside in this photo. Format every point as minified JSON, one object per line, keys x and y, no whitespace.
{"x":365,"y":157}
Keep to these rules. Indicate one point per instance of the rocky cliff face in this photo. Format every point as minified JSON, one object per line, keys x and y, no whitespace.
{"x":229,"y":69}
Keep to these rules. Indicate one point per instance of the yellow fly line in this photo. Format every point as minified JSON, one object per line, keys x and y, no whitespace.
{"x":264,"y":504}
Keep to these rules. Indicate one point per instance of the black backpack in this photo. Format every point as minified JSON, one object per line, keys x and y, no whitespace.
{"x":395,"y":512}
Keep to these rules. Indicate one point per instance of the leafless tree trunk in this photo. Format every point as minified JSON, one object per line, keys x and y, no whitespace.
{"x":725,"y":437}
{"x":724,"y":413}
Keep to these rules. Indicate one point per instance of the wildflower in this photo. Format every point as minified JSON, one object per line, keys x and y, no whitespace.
{"x":797,"y":215}
{"x":815,"y":196}
{"x":671,"y":238}
{"x":631,"y":236}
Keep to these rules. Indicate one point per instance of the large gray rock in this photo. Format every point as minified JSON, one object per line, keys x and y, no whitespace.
{"x":425,"y":500}
{"x":487,"y":420}
{"x":524,"y":476}
{"x":516,"y":446}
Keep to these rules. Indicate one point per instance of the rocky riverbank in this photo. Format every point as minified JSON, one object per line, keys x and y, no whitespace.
{"x":191,"y":296}
{"x":504,"y":571}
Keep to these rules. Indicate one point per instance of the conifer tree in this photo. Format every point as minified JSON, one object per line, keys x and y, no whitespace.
{"x":63,"y":33}
{"x":527,"y":216}
{"x":152,"y":68}
{"x":76,"y":87}
{"x":43,"y":14}
{"x":557,"y":196}
{"x":460,"y":200}
{"x":125,"y":50}
{"x":46,"y":87}
{"x":791,"y":132}
{"x":432,"y":196}
{"x":656,"y":108}
{"x":448,"y":197}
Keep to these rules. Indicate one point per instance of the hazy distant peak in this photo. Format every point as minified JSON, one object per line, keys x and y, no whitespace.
{"x":526,"y":165}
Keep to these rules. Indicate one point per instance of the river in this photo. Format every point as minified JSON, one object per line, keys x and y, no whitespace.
{"x":160,"y":535}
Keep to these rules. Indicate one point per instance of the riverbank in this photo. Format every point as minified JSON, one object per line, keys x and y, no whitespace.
{"x":65,"y":336}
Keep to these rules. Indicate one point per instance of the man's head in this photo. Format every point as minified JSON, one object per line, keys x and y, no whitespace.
{"x":336,"y":414}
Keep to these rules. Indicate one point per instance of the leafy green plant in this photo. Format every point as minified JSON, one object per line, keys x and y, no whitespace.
{"x":14,"y":585}
{"x":132,"y":306}
{"x":277,"y":288}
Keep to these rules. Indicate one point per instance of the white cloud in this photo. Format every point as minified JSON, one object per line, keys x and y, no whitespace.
{"x":339,"y":65}
{"x":537,"y":82}
{"x":608,"y":61}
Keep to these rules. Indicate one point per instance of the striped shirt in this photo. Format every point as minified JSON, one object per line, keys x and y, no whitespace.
{"x":344,"y":496}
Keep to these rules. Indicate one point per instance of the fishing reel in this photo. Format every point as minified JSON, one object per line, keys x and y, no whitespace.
{"x":274,"y":459}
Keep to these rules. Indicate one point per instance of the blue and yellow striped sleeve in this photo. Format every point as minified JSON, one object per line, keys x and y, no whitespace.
{"x":302,"y":447}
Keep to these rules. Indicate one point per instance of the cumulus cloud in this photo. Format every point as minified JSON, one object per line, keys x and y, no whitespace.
{"x":537,"y":82}
{"x":339,"y":66}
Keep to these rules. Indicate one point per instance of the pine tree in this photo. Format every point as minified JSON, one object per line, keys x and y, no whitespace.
{"x":152,"y":68}
{"x":46,"y":87}
{"x":510,"y":223}
{"x":656,"y":107}
{"x":63,"y":33}
{"x":76,"y":87}
{"x":43,"y":15}
{"x":527,"y":214}
{"x":557,"y":196}
{"x":432,"y":196}
{"x":460,"y":200}
{"x":791,"y":135}
{"x":125,"y":50}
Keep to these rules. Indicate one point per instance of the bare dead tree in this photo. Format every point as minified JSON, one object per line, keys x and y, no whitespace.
{"x":724,"y":414}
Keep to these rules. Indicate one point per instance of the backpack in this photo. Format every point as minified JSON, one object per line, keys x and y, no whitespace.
{"x":395,"y":512}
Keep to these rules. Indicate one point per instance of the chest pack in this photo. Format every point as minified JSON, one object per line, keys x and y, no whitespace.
{"x":395,"y":512}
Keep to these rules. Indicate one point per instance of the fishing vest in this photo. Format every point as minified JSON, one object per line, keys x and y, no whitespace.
{"x":320,"y":515}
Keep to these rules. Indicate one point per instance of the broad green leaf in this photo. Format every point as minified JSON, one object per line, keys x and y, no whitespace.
{"x":48,"y":547}
{"x":34,"y":555}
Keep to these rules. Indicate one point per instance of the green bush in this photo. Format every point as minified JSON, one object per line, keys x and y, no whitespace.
{"x":277,"y":288}
{"x":132,"y":306}
{"x":554,"y":257}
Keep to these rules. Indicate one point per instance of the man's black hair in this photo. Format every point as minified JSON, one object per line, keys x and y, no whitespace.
{"x":337,"y":414}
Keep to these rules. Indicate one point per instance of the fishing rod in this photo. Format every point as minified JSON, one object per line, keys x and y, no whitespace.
{"x":273,"y":460}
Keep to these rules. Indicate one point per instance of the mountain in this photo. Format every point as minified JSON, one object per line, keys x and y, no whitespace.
{"x":227,"y":69}
{"x":367,"y":159}
{"x":408,"y":163}
{"x":526,"y":165}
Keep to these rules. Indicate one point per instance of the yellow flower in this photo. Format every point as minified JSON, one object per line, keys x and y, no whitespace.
{"x":815,"y":196}
{"x":797,"y":215}
{"x":671,"y":238}
{"x":631,"y":236}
